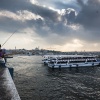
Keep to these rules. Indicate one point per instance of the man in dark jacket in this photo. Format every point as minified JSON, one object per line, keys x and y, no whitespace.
{"x":2,"y":56}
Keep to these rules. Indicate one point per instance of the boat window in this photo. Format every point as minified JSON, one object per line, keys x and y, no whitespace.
{"x":51,"y":62}
{"x":77,"y":61}
{"x":91,"y":60}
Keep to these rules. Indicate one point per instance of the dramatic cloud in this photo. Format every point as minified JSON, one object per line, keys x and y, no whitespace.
{"x":50,"y":21}
{"x":65,"y":5}
{"x":56,"y":22}
{"x":89,"y":16}
{"x":15,"y":5}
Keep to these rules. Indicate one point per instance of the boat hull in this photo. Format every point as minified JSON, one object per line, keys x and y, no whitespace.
{"x":73,"y":65}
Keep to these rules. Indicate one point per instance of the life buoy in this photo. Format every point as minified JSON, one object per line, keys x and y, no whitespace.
{"x":70,"y":65}
{"x":76,"y":65}
{"x":53,"y":67}
{"x":59,"y":66}
{"x":92,"y":64}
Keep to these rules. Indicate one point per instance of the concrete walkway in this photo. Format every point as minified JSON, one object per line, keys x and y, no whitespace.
{"x":8,"y":90}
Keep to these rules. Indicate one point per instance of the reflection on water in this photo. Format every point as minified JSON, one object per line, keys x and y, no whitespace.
{"x":35,"y":81}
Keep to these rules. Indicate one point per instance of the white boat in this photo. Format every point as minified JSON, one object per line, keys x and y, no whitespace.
{"x":72,"y":61}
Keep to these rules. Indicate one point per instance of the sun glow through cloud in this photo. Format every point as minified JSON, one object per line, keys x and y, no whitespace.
{"x":60,"y":25}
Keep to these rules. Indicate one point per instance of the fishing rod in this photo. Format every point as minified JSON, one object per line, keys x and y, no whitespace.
{"x":9,"y":38}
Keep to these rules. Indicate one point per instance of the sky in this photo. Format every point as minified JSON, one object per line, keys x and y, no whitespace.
{"x":62,"y":25}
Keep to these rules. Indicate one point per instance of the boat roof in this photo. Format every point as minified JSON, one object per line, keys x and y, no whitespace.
{"x":55,"y":56}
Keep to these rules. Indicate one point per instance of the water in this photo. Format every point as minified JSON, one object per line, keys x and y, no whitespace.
{"x":34,"y":81}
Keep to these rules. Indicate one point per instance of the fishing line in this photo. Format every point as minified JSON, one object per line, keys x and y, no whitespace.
{"x":8,"y":38}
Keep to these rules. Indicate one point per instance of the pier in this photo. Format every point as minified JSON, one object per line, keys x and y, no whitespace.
{"x":8,"y":90}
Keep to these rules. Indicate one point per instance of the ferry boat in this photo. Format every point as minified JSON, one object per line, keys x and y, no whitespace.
{"x":63,"y":61}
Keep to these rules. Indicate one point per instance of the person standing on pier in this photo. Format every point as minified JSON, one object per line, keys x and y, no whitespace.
{"x":2,"y":54}
{"x":0,"y":46}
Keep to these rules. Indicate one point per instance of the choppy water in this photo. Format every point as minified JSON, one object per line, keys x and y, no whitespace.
{"x":35,"y":81}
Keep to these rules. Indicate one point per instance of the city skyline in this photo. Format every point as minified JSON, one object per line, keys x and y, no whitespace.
{"x":69,"y":25}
